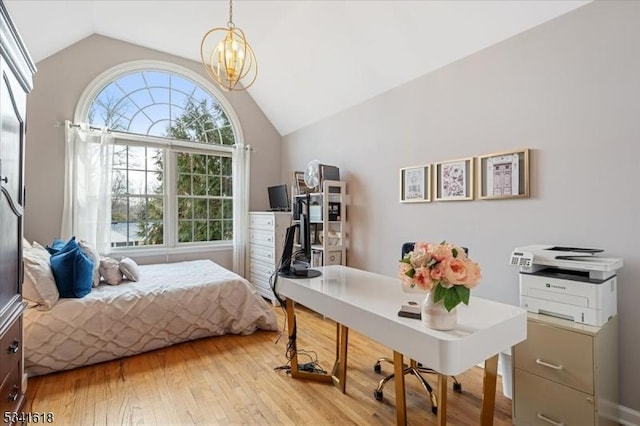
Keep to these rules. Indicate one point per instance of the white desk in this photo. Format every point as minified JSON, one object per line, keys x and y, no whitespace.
{"x":369,"y":304}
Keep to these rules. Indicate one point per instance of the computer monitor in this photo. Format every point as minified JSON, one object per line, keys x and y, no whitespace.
{"x":305,"y":238}
{"x":279,"y":198}
{"x":287,"y":252}
{"x":297,"y":265}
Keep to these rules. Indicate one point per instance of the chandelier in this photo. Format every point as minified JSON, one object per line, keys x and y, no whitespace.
{"x":228,"y":57}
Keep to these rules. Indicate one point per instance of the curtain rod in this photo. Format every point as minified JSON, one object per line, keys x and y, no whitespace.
{"x":76,"y":125}
{"x":90,"y":127}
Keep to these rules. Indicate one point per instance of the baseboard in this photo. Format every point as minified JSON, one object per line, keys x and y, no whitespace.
{"x":628,"y":417}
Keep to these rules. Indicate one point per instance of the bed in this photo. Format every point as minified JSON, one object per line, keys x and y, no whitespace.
{"x":171,"y":303}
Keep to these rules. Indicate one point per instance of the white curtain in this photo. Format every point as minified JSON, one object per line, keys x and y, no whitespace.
{"x":241,"y":159}
{"x":87,"y":186}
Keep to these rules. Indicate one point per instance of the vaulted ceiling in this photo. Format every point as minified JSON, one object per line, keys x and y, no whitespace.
{"x":315,"y":57}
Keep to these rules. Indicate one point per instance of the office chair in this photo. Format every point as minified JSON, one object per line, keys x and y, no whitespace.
{"x":414,"y":368}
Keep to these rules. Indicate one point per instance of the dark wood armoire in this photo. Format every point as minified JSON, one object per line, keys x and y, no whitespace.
{"x":16,"y":74}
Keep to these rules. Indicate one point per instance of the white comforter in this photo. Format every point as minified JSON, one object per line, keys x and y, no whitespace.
{"x":171,"y":303}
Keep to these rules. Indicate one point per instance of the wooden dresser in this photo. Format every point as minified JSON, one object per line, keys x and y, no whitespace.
{"x":266,"y":240}
{"x":566,"y":373}
{"x":16,"y":73}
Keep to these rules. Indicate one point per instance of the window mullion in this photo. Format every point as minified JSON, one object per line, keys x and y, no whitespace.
{"x":171,"y":208}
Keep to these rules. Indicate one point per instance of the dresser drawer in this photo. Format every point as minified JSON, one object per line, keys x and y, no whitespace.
{"x":262,"y":221}
{"x":557,"y":354}
{"x":261,"y":237}
{"x":266,"y":254}
{"x":260,"y":281}
{"x":539,"y":401}
{"x":261,"y":269}
{"x":10,"y":347}
{"x":10,"y":389}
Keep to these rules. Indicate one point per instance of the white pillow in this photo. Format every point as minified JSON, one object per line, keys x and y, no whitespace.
{"x":130,"y":269}
{"x":26,"y":244}
{"x":92,"y":254}
{"x":39,"y":285}
{"x":110,"y":271}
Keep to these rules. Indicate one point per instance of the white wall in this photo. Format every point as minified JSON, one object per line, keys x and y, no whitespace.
{"x":58,"y":84}
{"x":570,"y":91}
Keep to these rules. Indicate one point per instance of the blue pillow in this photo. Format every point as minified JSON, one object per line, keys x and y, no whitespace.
{"x":60,"y":246}
{"x":73,"y":272}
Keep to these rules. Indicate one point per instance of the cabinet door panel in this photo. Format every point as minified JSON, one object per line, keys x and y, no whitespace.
{"x":11,"y":193}
{"x":11,"y":138}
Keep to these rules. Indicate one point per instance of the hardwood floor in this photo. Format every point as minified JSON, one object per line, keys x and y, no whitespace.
{"x":230,"y":380}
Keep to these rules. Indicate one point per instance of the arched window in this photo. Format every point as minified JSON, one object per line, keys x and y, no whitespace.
{"x":172,"y":174}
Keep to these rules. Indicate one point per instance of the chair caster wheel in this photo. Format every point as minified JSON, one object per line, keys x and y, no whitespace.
{"x":434,"y":410}
{"x":457,"y":387}
{"x":377,"y":368}
{"x":377,"y":395}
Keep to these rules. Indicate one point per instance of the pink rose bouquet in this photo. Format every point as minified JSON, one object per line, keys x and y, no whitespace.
{"x":443,"y":268}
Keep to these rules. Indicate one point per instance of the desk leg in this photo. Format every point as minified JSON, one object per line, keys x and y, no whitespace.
{"x":442,"y":399}
{"x":489,"y":390}
{"x":339,"y":373}
{"x":295,"y":372}
{"x":291,"y":326}
{"x":398,"y":377}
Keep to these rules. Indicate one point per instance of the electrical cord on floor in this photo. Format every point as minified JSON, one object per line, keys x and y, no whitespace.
{"x":291,"y":351}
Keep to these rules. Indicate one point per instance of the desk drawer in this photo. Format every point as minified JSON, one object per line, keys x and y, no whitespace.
{"x":266,"y":254}
{"x":10,"y":347}
{"x":539,"y":401}
{"x":261,"y":237}
{"x":262,"y":221}
{"x":557,"y":354}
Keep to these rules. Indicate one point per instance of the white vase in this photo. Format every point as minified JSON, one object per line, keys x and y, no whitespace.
{"x":435,"y":315}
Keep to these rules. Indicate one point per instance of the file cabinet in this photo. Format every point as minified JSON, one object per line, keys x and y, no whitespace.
{"x":566,"y":373}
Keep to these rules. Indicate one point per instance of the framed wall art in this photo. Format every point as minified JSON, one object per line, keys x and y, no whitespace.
{"x":299,"y":186}
{"x":415,"y":184}
{"x":504,"y":175}
{"x":454,"y":180}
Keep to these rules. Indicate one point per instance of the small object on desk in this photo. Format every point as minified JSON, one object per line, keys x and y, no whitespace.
{"x":411,"y":306}
{"x":406,"y":314}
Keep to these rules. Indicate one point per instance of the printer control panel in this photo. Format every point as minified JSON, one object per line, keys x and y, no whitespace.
{"x":521,"y":259}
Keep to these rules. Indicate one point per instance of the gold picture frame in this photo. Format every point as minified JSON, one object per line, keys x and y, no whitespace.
{"x":503,"y":175}
{"x":415,"y":184}
{"x":454,"y":180}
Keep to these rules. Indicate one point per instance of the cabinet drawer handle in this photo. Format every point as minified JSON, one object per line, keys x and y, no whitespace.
{"x":546,"y":364}
{"x":5,"y":179}
{"x":13,"y":347}
{"x":13,"y":395}
{"x":547,"y":419}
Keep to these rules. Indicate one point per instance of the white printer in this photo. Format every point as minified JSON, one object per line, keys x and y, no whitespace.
{"x":568,"y":282}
